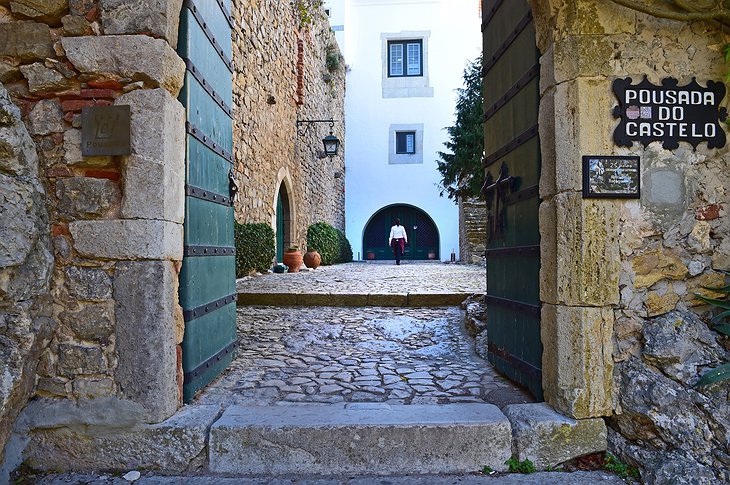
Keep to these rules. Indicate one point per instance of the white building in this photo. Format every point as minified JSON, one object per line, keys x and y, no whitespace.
{"x":406,"y":59}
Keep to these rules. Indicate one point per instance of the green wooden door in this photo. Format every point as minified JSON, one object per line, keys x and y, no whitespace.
{"x":279,"y":229}
{"x":512,"y":169}
{"x":423,"y":236}
{"x":207,"y":278}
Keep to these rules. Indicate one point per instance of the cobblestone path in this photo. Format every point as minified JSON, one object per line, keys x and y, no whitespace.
{"x":366,"y":354}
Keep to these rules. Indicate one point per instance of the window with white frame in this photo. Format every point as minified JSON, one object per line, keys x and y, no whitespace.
{"x":405,"y":143}
{"x":405,"y":58}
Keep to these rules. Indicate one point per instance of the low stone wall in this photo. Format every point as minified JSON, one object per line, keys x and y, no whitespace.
{"x":472,"y":229}
{"x":282,"y":76}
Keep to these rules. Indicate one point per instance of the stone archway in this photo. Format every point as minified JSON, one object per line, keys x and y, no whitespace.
{"x":423,"y":234}
{"x":284,"y":218}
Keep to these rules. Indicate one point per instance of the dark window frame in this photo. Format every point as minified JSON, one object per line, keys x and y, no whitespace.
{"x":404,"y":43}
{"x":405,"y":134}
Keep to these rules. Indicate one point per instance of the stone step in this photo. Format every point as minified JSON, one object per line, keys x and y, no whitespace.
{"x":359,"y":438}
{"x":352,"y":299}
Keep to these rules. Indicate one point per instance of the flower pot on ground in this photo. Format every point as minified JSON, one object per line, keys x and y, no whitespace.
{"x":293,"y":259}
{"x":312,"y":259}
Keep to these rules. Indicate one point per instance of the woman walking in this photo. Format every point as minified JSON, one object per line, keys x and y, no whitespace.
{"x":398,"y":240}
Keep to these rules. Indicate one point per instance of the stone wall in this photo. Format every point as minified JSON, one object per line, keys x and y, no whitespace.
{"x":274,"y":87}
{"x":113,"y":224}
{"x":472,"y":229}
{"x":624,"y":335}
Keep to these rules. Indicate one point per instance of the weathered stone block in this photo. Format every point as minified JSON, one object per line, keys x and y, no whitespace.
{"x":47,"y":11}
{"x":43,"y":80}
{"x":680,"y":344}
{"x":55,"y":386}
{"x":75,"y":359}
{"x":138,"y":57}
{"x":388,"y":299}
{"x":159,"y":18}
{"x":548,"y":438}
{"x":655,"y":265}
{"x":92,"y":388}
{"x":88,"y":284}
{"x":18,"y":229}
{"x":581,"y":260}
{"x":128,"y":239}
{"x":82,"y":197}
{"x":154,"y":190}
{"x":45,"y":118}
{"x":93,"y":322}
{"x":577,"y":371}
{"x":26,"y":41}
{"x":69,"y":436}
{"x":76,"y":25}
{"x":146,"y":315}
{"x":18,"y":154}
{"x":73,"y":157}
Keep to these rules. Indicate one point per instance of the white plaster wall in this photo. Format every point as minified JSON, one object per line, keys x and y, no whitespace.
{"x":371,"y":183}
{"x":337,"y":19}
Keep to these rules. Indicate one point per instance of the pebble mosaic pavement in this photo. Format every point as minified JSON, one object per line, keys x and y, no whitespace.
{"x":420,"y":355}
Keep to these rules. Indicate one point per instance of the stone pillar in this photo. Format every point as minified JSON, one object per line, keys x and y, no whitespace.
{"x":580,"y":258}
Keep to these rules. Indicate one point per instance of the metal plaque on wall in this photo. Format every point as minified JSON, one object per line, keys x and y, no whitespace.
{"x":106,"y":131}
{"x":669,"y":113}
{"x":611,"y":177}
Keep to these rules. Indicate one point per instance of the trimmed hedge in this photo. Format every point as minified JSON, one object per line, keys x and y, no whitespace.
{"x":255,"y":247}
{"x":330,"y":243}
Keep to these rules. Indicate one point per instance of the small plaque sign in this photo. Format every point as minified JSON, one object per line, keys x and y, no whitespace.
{"x":669,"y":113}
{"x":106,"y":131}
{"x":611,"y":177}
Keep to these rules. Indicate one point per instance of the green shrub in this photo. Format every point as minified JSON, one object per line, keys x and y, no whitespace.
{"x":516,"y":466}
{"x":345,"y":248}
{"x":255,"y":247}
{"x":330,"y":243}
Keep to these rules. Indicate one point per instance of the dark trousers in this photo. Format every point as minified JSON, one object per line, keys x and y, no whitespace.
{"x":399,"y":245}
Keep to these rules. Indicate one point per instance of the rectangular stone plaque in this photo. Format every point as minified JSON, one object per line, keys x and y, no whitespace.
{"x":611,"y":176}
{"x":106,"y":131}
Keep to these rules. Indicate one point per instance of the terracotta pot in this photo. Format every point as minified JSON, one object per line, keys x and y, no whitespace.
{"x":293,"y":259}
{"x":312,"y":259}
{"x":371,"y":255}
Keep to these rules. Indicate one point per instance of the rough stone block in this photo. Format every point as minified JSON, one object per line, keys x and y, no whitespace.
{"x":83,"y":197}
{"x":43,"y":80}
{"x":92,"y":388}
{"x":158,"y":18}
{"x":45,"y":118}
{"x":351,"y":438}
{"x":581,"y":261}
{"x":146,"y":315}
{"x":154,"y":190}
{"x":655,"y":265}
{"x":436,"y":299}
{"x":138,"y":57}
{"x":93,"y":322}
{"x":18,"y":154}
{"x":75,"y":359}
{"x":72,"y":156}
{"x":47,"y":11}
{"x":105,"y":434}
{"x":25,"y":41}
{"x":18,"y":230}
{"x":88,"y":284}
{"x":158,"y":126}
{"x":548,"y":438}
{"x":128,"y":239}
{"x":578,"y":369}
{"x":267,"y":299}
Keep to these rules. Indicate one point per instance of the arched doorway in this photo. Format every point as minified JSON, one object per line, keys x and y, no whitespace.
{"x":423,"y":235}
{"x":283,"y":222}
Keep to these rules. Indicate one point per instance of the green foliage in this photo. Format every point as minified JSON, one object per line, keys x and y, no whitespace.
{"x":333,"y":58}
{"x":461,"y":167}
{"x":720,"y":323}
{"x":487,"y":470}
{"x":524,"y":466}
{"x":624,"y":471}
{"x":306,"y":10}
{"x":329,"y":242}
{"x":255,"y":247}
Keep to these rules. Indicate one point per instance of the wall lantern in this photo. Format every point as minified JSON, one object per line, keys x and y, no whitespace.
{"x":331,"y":142}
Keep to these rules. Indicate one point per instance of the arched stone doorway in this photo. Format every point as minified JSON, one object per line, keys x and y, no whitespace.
{"x":283,"y":222}
{"x":423,"y":235}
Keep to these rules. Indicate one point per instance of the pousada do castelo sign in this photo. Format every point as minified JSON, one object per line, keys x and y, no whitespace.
{"x":669,"y":113}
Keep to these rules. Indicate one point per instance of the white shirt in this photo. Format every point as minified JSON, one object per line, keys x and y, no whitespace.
{"x":397,"y":232}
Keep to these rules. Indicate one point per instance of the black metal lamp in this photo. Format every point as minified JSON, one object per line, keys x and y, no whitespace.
{"x":331,"y":142}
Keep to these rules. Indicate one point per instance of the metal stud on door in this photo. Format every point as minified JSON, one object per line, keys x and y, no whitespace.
{"x":512,"y":170}
{"x":207,"y":278}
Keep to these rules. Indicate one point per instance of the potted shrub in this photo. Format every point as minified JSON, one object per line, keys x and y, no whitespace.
{"x":293,"y":258}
